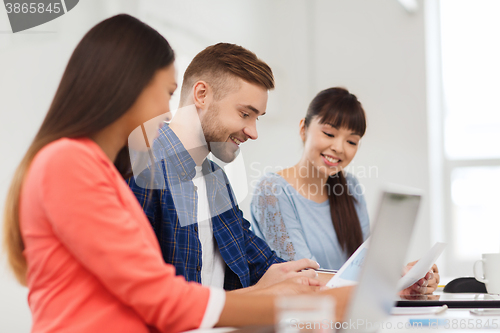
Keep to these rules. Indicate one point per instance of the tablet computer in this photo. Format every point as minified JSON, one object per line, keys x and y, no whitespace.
{"x":465,"y":300}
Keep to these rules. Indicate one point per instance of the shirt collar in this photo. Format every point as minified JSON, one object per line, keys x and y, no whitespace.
{"x":168,"y":145}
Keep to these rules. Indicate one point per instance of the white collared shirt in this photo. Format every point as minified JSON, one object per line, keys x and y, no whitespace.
{"x":213,"y":266}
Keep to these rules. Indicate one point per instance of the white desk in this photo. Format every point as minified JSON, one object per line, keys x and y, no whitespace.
{"x":451,"y":320}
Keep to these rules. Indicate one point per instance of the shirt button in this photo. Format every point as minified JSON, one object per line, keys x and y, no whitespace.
{"x":198,"y":268}
{"x":183,"y":173}
{"x":196,"y":188}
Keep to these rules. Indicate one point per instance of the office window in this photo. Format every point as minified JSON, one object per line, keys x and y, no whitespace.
{"x":471,"y":128}
{"x":475,"y":210}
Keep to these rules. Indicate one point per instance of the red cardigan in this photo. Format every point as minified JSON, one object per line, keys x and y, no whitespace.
{"x":94,"y":263}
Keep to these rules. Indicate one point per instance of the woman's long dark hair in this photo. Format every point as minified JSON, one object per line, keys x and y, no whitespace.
{"x":341,"y":109}
{"x":106,"y":73}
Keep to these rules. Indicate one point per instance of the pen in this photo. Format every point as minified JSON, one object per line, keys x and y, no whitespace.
{"x":443,"y":309}
{"x":323,"y":270}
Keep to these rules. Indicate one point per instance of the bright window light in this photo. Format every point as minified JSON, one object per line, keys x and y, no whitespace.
{"x":471,"y":78}
{"x":475,"y":211}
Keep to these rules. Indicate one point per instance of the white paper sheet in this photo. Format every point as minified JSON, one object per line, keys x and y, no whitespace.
{"x":348,"y":274}
{"x":421,"y":268}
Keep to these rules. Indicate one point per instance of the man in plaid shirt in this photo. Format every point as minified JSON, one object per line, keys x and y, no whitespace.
{"x":188,"y":198}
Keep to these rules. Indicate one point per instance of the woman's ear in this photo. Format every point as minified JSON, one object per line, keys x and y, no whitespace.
{"x":302,"y":129}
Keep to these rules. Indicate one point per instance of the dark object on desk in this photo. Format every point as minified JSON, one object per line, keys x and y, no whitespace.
{"x":465,"y":285}
{"x":452,"y":300}
{"x":466,"y":304}
{"x":255,"y":329}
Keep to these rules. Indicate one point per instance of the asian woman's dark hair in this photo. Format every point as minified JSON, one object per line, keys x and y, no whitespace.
{"x":108,"y":70}
{"x":341,"y":109}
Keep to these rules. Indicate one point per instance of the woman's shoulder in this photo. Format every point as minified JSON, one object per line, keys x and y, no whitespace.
{"x":71,"y":146}
{"x":67,"y":153}
{"x":355,"y":187}
{"x":270,"y":178}
{"x":350,"y":178}
{"x":270,"y":183}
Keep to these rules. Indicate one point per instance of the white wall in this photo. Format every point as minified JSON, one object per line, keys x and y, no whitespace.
{"x":373,"y":48}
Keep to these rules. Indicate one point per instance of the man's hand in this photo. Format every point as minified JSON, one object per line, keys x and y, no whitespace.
{"x":426,"y":285}
{"x":287,"y":270}
{"x":304,"y":285}
{"x":262,"y":309}
{"x":324,"y":277}
{"x":293,"y":286}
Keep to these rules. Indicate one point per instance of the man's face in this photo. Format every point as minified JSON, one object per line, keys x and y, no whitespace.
{"x":232,"y":120}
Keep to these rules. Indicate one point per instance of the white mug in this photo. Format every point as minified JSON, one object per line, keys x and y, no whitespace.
{"x":491,"y":272}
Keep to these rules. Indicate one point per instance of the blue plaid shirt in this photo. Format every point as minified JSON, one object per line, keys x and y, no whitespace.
{"x":171,"y":207}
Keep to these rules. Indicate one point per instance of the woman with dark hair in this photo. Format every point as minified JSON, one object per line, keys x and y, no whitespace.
{"x":315,"y":209}
{"x":75,"y":233}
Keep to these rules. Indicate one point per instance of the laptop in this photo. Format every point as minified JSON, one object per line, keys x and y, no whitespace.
{"x":374,"y":296}
{"x":382,"y":265}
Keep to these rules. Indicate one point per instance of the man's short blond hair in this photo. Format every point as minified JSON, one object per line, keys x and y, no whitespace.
{"x":220,"y":64}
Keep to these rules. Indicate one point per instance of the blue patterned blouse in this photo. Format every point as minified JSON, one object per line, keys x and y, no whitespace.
{"x":296,"y":227}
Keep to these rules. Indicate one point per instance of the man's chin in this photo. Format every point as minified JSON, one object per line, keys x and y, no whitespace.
{"x":224,"y":151}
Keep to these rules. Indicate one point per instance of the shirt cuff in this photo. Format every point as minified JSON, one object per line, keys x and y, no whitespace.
{"x":216,"y":302}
